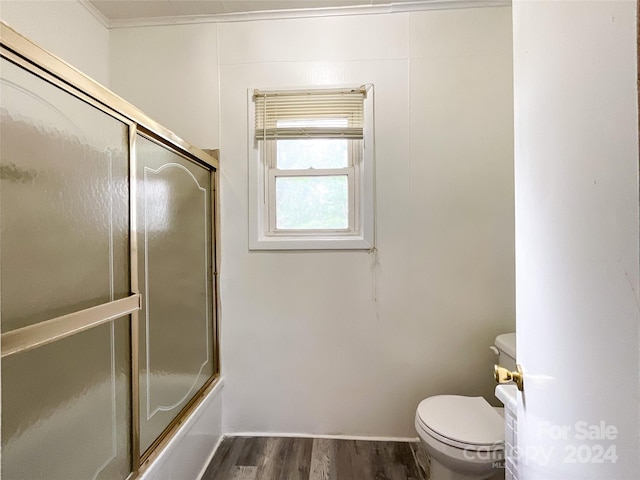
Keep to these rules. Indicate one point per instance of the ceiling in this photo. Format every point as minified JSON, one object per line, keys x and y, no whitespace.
{"x":148,"y":9}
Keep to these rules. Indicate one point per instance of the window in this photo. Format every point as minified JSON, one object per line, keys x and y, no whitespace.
{"x":311,"y":169}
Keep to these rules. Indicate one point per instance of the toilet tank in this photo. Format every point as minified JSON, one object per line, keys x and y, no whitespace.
{"x":505,"y":348}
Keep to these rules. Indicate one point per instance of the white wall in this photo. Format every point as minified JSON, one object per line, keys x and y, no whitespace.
{"x":576,"y":170}
{"x":306,"y":348}
{"x":66,"y":29}
{"x":171,"y":74}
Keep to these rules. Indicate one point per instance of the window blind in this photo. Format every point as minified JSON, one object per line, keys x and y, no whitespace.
{"x":309,"y":114}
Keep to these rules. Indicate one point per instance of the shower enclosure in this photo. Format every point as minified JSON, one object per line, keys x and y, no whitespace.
{"x":108,"y":313}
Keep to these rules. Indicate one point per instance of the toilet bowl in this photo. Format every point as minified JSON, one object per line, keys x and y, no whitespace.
{"x":463,"y":436}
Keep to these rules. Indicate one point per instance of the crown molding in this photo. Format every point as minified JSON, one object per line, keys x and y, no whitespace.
{"x":417,"y":6}
{"x":91,"y":8}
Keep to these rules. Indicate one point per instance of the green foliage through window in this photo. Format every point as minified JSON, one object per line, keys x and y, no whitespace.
{"x":314,"y":202}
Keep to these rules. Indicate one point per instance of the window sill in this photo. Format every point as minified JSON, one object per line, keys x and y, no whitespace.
{"x":306,"y":243}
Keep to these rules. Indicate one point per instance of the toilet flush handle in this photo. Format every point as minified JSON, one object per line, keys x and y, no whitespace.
{"x":494,"y":350}
{"x":502,"y":375}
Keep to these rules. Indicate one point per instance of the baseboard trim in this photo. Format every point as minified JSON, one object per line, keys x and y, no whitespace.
{"x":372,"y":438}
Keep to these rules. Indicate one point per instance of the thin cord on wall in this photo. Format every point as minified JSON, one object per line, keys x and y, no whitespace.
{"x":375,"y":263}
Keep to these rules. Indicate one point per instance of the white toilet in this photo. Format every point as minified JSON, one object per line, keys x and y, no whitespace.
{"x":464,"y":436}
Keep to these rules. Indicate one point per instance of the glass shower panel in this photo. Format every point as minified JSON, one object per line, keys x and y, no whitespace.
{"x":64,"y":246}
{"x":64,"y":202}
{"x":66,"y":408}
{"x":174,"y":244}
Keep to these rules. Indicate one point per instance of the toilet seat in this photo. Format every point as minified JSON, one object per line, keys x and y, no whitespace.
{"x":469,"y":423}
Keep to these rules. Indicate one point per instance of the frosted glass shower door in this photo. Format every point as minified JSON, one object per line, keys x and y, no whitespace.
{"x":64,"y":248}
{"x":175,"y":280}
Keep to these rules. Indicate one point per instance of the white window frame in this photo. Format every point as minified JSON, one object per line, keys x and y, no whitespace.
{"x":262,"y":174}
{"x":351,"y":171}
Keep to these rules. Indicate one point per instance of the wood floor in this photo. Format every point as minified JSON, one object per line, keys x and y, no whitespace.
{"x":277,"y":458}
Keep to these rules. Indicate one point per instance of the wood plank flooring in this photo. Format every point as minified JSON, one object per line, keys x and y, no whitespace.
{"x":279,"y":458}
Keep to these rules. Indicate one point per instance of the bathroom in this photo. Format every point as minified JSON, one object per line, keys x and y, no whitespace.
{"x":342,"y":343}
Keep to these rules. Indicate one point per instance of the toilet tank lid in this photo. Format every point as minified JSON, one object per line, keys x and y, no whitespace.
{"x":469,"y":420}
{"x":507,"y":343}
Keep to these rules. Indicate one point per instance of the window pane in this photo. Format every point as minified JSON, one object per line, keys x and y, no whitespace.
{"x":312,"y":153}
{"x":312,"y":203}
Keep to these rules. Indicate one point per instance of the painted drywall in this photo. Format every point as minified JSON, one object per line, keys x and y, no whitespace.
{"x":66,"y":29}
{"x":171,"y":74}
{"x":350,"y":342}
{"x":576,"y":172}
